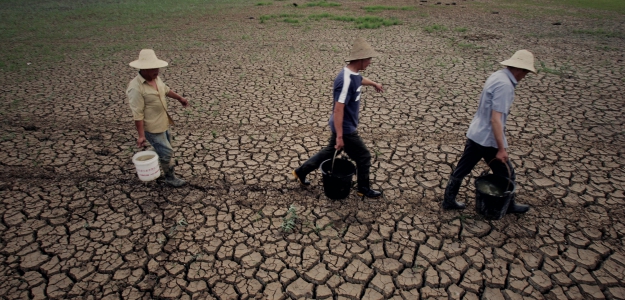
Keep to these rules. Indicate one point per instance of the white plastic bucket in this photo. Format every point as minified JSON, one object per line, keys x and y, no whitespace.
{"x":146,"y":163}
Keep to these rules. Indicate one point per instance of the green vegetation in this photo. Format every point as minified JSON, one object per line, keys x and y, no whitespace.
{"x":609,"y":5}
{"x":600,"y":33}
{"x":263,"y":3}
{"x":290,"y":20}
{"x":377,"y":8}
{"x":557,"y":70}
{"x":45,"y":32}
{"x":434,"y":28}
{"x":541,"y":8}
{"x":460,"y":29}
{"x":467,"y":45}
{"x":285,"y":17}
{"x":288,"y":222}
{"x":322,"y":3}
{"x":367,"y":22}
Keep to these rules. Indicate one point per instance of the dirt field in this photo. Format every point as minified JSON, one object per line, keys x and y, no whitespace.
{"x":77,"y":223}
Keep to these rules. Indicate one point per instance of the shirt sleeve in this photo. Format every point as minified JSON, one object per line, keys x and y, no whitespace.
{"x":344,"y":88}
{"x":167,"y":89}
{"x":137,"y":105}
{"x":502,"y":98}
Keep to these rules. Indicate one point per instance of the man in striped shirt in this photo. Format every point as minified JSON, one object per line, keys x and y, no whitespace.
{"x":344,"y":120}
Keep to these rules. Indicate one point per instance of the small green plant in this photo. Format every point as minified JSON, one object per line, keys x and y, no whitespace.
{"x":464,"y":217}
{"x":416,"y":267}
{"x":322,"y":3}
{"x":196,"y":256}
{"x":288,"y":222}
{"x":214,"y":133}
{"x":181,"y":223}
{"x":264,"y":18}
{"x":341,"y":232}
{"x":290,"y":20}
{"x":467,"y":45}
{"x":377,"y":8}
{"x":460,"y":29}
{"x":434,"y":28}
{"x":259,"y":216}
{"x":561,"y":70}
{"x":262,"y":3}
{"x":8,"y":136}
{"x":600,"y":32}
{"x":318,"y":228}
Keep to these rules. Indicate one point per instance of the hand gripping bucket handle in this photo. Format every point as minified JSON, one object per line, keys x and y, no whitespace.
{"x":490,"y":206}
{"x":337,"y":177}
{"x":507,"y":167}
{"x":333,"y":158}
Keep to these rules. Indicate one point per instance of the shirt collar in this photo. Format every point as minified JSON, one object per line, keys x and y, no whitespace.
{"x":350,"y":71}
{"x":141,"y":79}
{"x":511,"y":77}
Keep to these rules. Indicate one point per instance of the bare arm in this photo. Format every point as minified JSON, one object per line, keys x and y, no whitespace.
{"x":141,"y":142}
{"x":339,"y":110}
{"x":495,"y":121}
{"x":180,"y":99}
{"x":378,"y":87}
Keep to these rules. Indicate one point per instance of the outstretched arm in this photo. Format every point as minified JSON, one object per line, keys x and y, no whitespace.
{"x":378,"y":87}
{"x":180,"y":99}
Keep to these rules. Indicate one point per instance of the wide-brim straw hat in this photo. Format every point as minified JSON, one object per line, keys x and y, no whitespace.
{"x":148,"y":60}
{"x":522,"y":59}
{"x":361,"y":50}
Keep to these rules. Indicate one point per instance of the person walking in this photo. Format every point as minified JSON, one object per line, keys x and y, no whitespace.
{"x":147,"y":98}
{"x":486,"y":135}
{"x":343,"y":121}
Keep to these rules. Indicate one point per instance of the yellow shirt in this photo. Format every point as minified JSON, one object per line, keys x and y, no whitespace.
{"x":148,"y":104}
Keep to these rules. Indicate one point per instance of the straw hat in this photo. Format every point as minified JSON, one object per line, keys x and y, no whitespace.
{"x":522,"y":59}
{"x":361,"y":50}
{"x":148,"y":60}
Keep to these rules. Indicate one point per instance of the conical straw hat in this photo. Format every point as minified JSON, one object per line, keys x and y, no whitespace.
{"x":522,"y":59}
{"x":361,"y":50}
{"x":148,"y":60}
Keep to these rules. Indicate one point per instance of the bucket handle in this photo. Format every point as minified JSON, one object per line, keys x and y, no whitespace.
{"x":507,"y":167}
{"x":333,"y":158}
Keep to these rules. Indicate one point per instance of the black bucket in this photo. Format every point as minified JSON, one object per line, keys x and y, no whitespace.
{"x":493,"y":206}
{"x":337,"y":179}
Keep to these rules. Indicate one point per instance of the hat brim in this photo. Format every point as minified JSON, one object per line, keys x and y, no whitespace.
{"x":143,"y":65}
{"x":518,"y":64}
{"x":368,"y":54}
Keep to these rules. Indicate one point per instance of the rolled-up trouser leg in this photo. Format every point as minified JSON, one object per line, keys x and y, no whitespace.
{"x":162,"y":146}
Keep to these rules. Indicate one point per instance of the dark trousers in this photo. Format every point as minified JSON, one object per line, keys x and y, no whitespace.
{"x":473,"y":152}
{"x":355,"y":149}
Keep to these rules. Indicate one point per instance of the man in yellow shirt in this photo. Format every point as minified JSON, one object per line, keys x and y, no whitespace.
{"x":146,"y":96}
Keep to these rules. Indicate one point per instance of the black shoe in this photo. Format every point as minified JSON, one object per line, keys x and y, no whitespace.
{"x":300,"y":179}
{"x":514,"y":208}
{"x":452,"y":204}
{"x":369,"y":193}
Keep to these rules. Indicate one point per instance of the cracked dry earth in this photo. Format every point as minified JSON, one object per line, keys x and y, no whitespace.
{"x":77,"y":223}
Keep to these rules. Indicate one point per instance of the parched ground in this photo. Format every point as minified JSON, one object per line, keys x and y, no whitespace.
{"x":77,"y":223}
